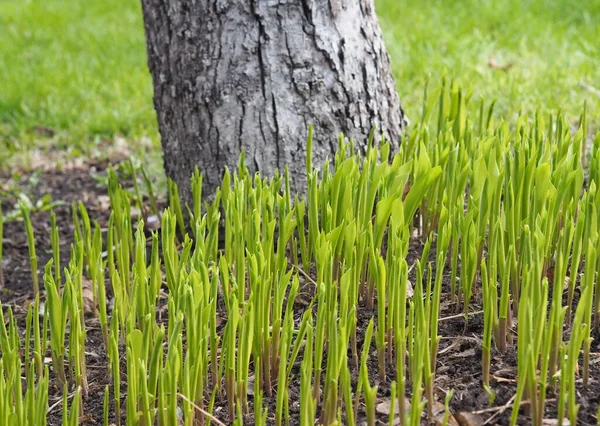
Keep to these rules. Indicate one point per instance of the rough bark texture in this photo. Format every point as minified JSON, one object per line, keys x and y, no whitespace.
{"x":253,"y":74}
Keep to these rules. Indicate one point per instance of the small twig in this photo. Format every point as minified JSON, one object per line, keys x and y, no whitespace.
{"x":590,"y":88}
{"x":451,"y":317}
{"x":53,"y":406}
{"x":450,"y":347}
{"x":503,"y":408}
{"x":503,"y":379}
{"x":493,"y":416}
{"x":498,"y":411}
{"x":308,"y":277}
{"x":467,"y":338}
{"x":59,"y":402}
{"x":206,"y":413}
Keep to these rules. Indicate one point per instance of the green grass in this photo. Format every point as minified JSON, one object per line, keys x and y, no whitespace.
{"x":80,"y":67}
{"x":76,"y":67}
{"x":552,"y":45}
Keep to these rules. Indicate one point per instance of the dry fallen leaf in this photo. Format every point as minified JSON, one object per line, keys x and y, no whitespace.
{"x":152,"y":222}
{"x":406,"y":190}
{"x":87,"y":418}
{"x":409,"y":290}
{"x":439,"y":412}
{"x":464,"y":354}
{"x":439,"y":420}
{"x":465,"y":418}
{"x":555,"y":422}
{"x":493,"y":64}
{"x":103,"y":202}
{"x":43,"y":131}
{"x":250,"y":385}
{"x":384,"y":407}
{"x":89,"y":305}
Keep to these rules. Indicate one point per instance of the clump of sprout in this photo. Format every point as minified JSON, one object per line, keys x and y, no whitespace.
{"x":234,"y":301}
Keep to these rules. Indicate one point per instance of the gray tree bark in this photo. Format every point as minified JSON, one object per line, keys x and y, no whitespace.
{"x":233,"y":75}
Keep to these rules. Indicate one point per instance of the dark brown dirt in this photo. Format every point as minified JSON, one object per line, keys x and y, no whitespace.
{"x":459,"y":360}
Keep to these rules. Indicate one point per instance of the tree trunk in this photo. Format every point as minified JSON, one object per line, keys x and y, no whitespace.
{"x":233,"y":75}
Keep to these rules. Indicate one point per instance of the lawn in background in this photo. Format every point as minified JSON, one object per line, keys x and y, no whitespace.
{"x":524,"y":53}
{"x":78,"y":68}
